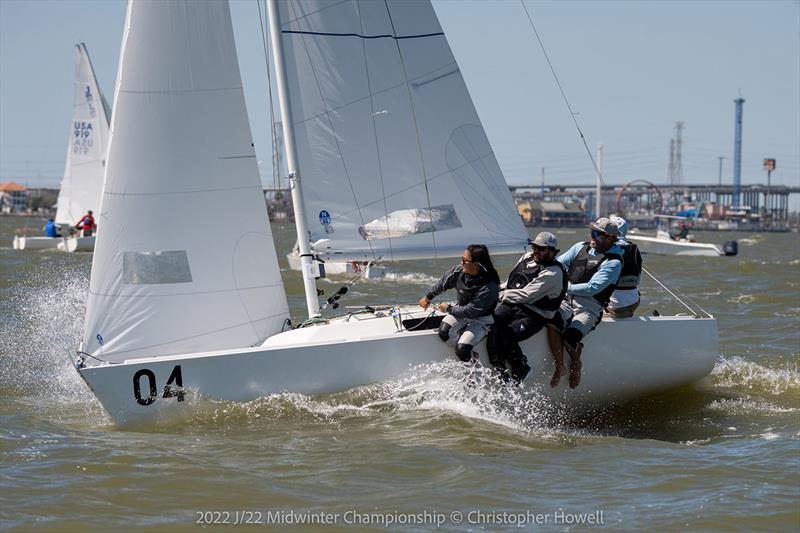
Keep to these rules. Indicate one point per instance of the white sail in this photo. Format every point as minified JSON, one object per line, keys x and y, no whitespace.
{"x":82,"y":183}
{"x":185,"y":260}
{"x":393,"y":158}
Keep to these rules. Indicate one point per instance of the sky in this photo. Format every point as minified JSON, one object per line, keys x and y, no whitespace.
{"x":630,"y":70}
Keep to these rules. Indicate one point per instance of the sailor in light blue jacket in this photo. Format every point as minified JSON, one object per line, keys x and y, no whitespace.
{"x":593,"y":268}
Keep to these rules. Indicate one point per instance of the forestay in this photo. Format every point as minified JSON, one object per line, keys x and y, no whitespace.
{"x":82,"y":183}
{"x":184,"y":260}
{"x":393,"y":158}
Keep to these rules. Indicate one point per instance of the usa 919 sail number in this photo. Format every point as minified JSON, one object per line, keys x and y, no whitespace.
{"x":146,"y":392}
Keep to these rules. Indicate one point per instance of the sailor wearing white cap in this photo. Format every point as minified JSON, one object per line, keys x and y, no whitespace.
{"x":528,"y":301}
{"x":593,"y":268}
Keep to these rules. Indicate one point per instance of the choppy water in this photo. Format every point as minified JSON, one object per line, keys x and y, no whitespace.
{"x":425,"y":449}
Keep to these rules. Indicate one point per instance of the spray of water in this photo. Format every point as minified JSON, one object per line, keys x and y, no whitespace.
{"x":38,"y":339}
{"x":747,"y":376}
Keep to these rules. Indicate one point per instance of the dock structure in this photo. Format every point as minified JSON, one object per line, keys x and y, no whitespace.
{"x":768,"y":202}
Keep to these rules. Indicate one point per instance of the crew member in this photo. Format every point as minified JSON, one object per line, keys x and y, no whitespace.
{"x":86,"y":225}
{"x":51,"y":229}
{"x":528,"y":301}
{"x":477,"y":284}
{"x":626,"y":297}
{"x":593,"y":269}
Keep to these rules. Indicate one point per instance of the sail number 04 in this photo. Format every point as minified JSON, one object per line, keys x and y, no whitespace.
{"x":146,"y":377}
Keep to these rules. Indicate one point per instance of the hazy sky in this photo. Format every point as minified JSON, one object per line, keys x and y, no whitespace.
{"x":631,"y":69}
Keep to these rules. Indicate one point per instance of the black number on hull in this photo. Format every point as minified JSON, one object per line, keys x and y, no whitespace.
{"x":137,"y":388}
{"x":174,"y":386}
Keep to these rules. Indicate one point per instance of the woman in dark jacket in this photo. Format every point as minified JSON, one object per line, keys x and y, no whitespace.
{"x":477,"y":286}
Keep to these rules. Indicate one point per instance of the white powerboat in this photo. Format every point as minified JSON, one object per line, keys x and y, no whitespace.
{"x":679,"y":242}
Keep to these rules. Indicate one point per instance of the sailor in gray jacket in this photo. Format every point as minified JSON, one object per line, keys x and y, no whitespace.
{"x":528,"y":301}
{"x":477,"y":284}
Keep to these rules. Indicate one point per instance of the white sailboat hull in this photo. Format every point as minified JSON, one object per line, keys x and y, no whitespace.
{"x":659,"y":246}
{"x":622,"y":360}
{"x":36,"y":243}
{"x":77,"y":244}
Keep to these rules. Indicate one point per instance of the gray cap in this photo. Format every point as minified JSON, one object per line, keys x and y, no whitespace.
{"x":545,"y":238}
{"x":605,"y":225}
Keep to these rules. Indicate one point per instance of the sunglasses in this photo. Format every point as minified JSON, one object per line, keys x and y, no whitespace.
{"x":465,"y":261}
{"x":597,"y":234}
{"x":537,"y":248}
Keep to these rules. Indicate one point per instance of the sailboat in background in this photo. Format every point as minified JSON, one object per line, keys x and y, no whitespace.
{"x":82,"y":184}
{"x":395,"y":165}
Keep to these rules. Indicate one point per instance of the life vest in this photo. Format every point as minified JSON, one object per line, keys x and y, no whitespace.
{"x":523,"y":273}
{"x":50,"y":230}
{"x":465,"y":290}
{"x":631,"y":273}
{"x":584,"y":266}
{"x":87,"y":222}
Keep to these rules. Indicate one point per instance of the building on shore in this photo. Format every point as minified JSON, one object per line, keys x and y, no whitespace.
{"x":13,"y":198}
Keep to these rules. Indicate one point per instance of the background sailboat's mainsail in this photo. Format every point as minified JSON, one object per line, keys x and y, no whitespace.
{"x":82,"y":183}
{"x":393,"y":156}
{"x":184,"y":261}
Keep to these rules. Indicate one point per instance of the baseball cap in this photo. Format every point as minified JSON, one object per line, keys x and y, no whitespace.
{"x":622,"y":226}
{"x":606,"y":226}
{"x":545,"y":238}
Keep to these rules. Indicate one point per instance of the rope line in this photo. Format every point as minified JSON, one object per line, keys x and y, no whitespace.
{"x":563,"y":94}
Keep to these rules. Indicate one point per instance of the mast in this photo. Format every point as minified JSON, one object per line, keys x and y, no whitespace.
{"x":306,"y":257}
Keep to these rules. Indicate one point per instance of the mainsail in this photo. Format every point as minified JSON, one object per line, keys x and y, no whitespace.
{"x":184,"y":260}
{"x":393,"y":158}
{"x":82,"y":183}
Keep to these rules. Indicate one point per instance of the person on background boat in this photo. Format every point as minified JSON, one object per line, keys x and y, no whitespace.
{"x":593,"y":268}
{"x":86,"y":225}
{"x":51,"y":229}
{"x":528,"y":301}
{"x":681,"y":231}
{"x":477,"y":284}
{"x":625,"y":298}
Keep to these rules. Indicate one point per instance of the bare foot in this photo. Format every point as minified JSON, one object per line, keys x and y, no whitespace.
{"x":575,"y":364}
{"x":575,"y":373}
{"x":557,"y":375}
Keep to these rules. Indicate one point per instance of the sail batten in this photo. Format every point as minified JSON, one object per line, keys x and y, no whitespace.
{"x":387,"y":134}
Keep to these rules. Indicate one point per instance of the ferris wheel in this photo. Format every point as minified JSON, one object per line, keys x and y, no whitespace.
{"x":639,"y":197}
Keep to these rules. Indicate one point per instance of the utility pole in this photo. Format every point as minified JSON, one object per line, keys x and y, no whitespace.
{"x":671,"y":169}
{"x":542,"y":183}
{"x":678,"y":158}
{"x":769,"y":166}
{"x":737,"y":153}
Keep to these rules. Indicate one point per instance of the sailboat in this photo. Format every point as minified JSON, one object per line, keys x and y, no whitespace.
{"x":387,"y":158}
{"x":82,"y":183}
{"x":665,"y":243}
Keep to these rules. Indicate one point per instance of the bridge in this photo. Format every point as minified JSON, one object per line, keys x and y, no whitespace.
{"x":760,"y":199}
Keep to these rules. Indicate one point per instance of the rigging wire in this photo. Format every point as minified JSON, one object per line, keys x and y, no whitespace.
{"x":563,"y":94}
{"x":373,"y":115}
{"x":276,"y":166}
{"x":416,"y":129}
{"x":676,"y":297}
{"x":305,"y":39}
{"x":589,"y":152}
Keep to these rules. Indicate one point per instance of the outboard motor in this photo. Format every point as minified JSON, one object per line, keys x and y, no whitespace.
{"x":730,"y":248}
